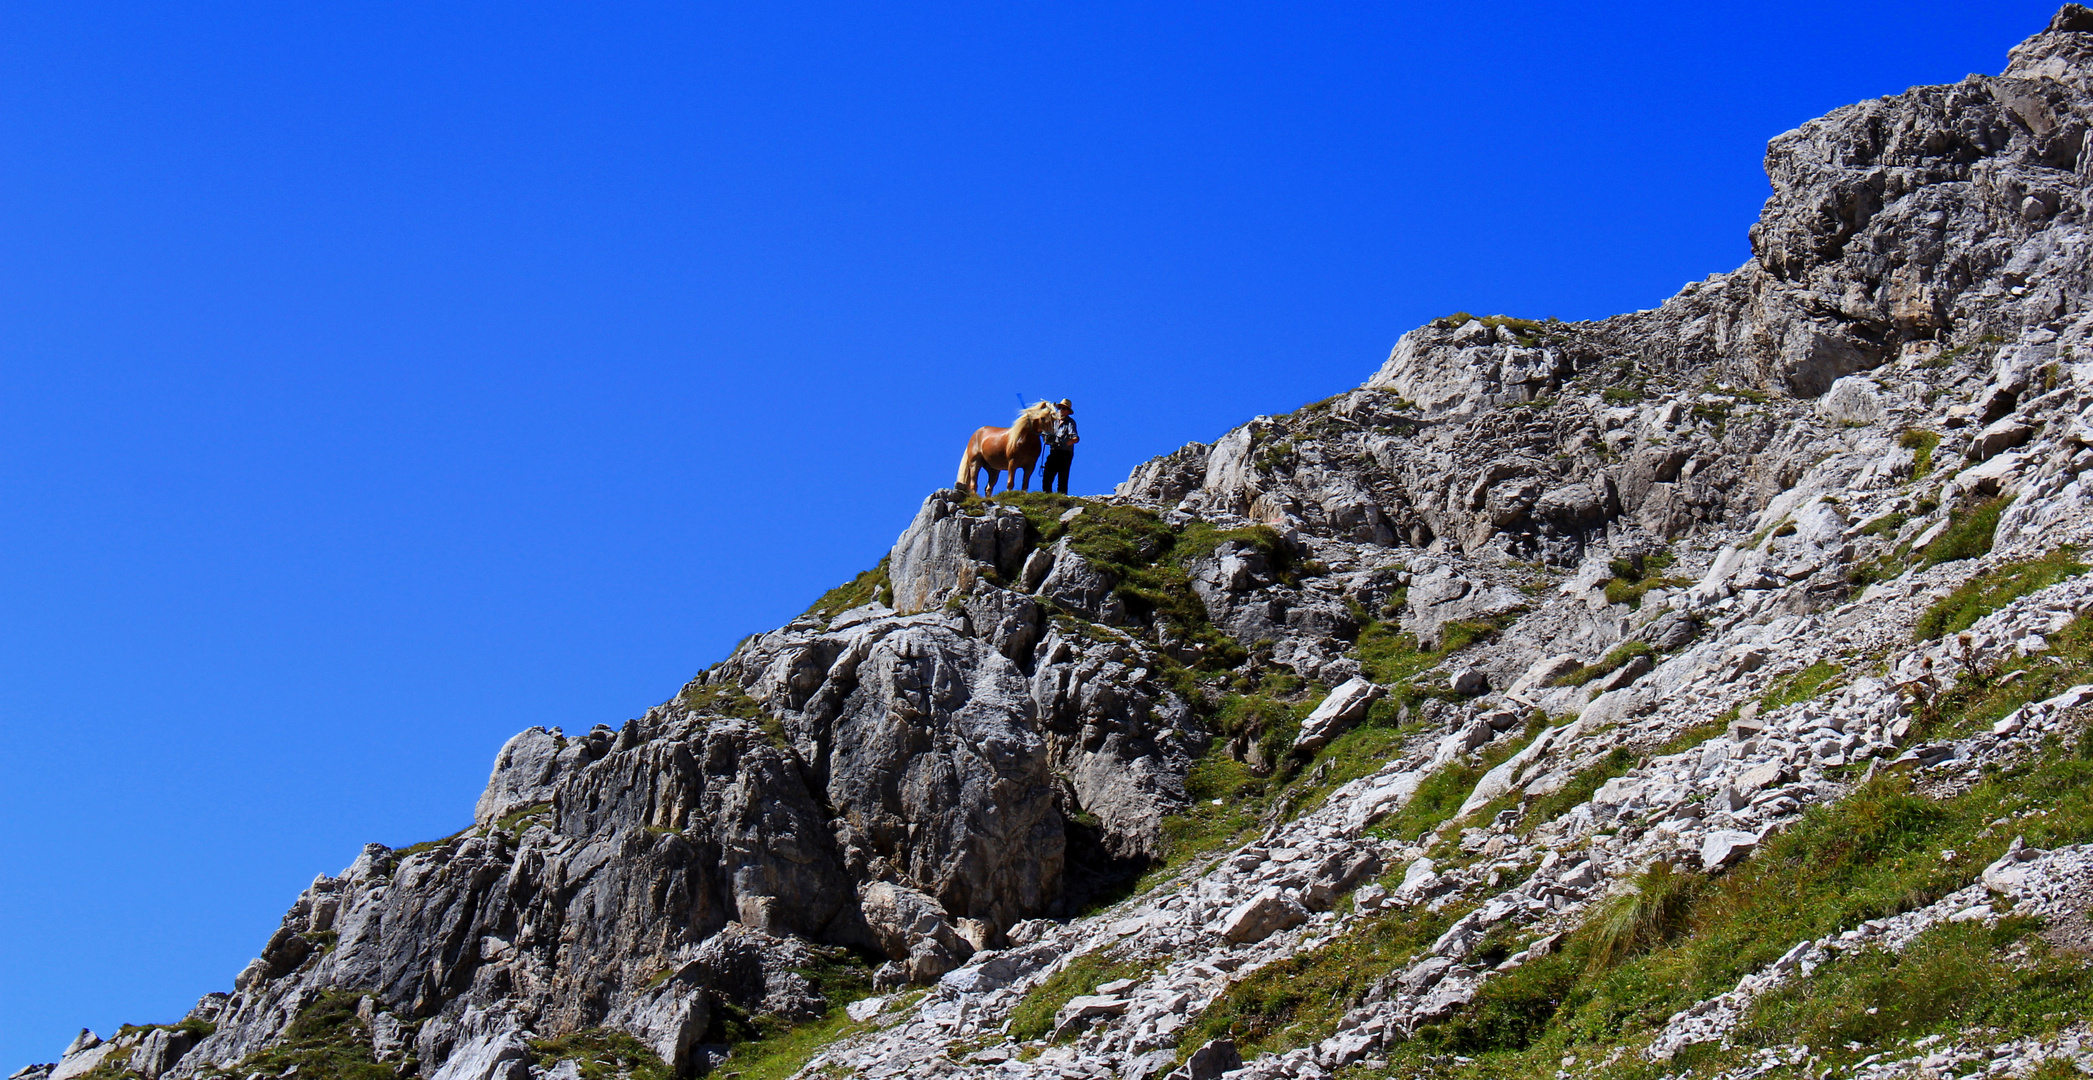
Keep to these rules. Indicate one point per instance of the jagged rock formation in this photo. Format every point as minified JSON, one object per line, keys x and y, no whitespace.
{"x":1583,"y":582}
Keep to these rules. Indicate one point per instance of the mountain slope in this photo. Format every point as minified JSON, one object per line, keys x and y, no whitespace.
{"x":1698,"y":688}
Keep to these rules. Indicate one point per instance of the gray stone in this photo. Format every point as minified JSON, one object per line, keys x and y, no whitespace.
{"x":82,"y":1062}
{"x":946,"y":549}
{"x":524,"y":775}
{"x":158,"y":1051}
{"x":1721,"y":848}
{"x":1076,"y":585}
{"x":1470,"y":681}
{"x":914,"y":929}
{"x":1544,"y":672}
{"x":1763,"y":775}
{"x":501,"y":1055}
{"x":1671,"y":631}
{"x":1999,"y":437}
{"x":1083,"y":1008}
{"x":1261,"y":916}
{"x":1851,"y":400}
{"x":1210,"y":1062}
{"x":1636,"y":667}
{"x":1337,"y":712}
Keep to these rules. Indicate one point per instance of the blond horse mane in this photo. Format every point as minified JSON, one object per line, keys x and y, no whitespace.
{"x":1033,"y":419}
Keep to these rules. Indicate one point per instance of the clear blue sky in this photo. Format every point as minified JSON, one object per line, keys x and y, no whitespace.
{"x":378,"y":380}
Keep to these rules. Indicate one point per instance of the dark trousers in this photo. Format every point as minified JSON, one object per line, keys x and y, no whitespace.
{"x":1057,"y":461}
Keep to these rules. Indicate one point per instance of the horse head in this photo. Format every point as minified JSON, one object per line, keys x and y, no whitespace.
{"x":1035,"y":419}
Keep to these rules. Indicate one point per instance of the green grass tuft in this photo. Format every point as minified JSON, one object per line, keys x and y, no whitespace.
{"x":1033,"y":1018}
{"x":1800,"y":685}
{"x":1968,"y":534}
{"x":868,"y":586}
{"x":602,"y":1054}
{"x":1654,"y":912}
{"x":1608,"y":664}
{"x":1993,"y":589}
{"x":326,"y":1040}
{"x":1921,"y":444}
{"x":1294,"y":1001}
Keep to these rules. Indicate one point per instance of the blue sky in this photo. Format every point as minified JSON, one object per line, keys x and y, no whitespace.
{"x":379,"y":380}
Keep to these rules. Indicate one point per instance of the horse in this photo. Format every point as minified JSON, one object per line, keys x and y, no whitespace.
{"x":1006,"y":449}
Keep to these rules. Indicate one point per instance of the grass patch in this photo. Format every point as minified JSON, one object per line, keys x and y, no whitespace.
{"x":602,"y":1054}
{"x":1356,"y":753}
{"x":1968,"y":534}
{"x":1799,"y":685}
{"x":1993,"y":589}
{"x":1886,"y":526}
{"x":722,"y":699}
{"x":199,"y":1029}
{"x":515,"y":824}
{"x":1267,"y":723}
{"x":870,"y":585}
{"x":766,"y":1047}
{"x":1878,"y":852}
{"x":1635,"y":577}
{"x":412,"y":850}
{"x":1624,"y":394}
{"x":1978,"y":698}
{"x":1299,"y":999}
{"x":1440,"y":795}
{"x":1921,"y":443}
{"x":1527,"y":332}
{"x":326,"y":1040}
{"x":1655,"y":911}
{"x":1033,"y":1018}
{"x":1149,"y":560}
{"x":785,"y":1053}
{"x":1390,"y":656}
{"x":1579,"y":790}
{"x":1608,"y":664}
{"x":1952,"y":978}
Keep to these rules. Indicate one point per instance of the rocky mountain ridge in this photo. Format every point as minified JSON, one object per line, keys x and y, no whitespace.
{"x":1431,"y":728}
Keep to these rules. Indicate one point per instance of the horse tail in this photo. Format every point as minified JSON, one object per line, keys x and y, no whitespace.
{"x":966,"y":469}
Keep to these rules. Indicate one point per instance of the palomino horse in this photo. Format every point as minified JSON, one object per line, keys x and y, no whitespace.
{"x":1006,"y":449}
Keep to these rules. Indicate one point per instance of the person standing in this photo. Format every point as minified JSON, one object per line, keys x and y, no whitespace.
{"x":1061,"y":440}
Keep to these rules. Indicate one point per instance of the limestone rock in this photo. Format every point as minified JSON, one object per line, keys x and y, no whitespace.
{"x":914,"y":929}
{"x":1339,"y":710}
{"x":1211,"y":1061}
{"x":946,"y":549}
{"x":1261,"y":916}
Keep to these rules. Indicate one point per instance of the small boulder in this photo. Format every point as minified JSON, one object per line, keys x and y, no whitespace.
{"x":1999,"y":437}
{"x":1344,"y":707}
{"x":1261,"y":916}
{"x":1544,"y":672}
{"x":1763,"y":775}
{"x":1469,"y":681}
{"x":913,"y":929}
{"x":1082,"y":1009}
{"x":1636,"y":667}
{"x":1209,"y":1062}
{"x":1724,"y":847}
{"x":1670,"y":631}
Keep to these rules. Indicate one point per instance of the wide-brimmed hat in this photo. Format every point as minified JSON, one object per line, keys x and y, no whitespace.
{"x":1067,"y":406}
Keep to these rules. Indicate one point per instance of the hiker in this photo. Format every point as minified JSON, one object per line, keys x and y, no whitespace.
{"x":1061,"y":440}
